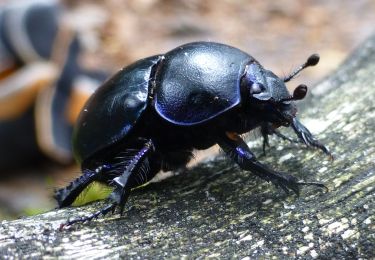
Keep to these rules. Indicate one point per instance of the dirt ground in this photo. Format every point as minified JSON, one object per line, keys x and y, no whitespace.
{"x":279,"y":34}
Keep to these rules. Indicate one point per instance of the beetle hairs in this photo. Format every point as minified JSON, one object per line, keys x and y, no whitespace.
{"x":311,"y":61}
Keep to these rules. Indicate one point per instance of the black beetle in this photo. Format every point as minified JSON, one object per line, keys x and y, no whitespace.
{"x":151,"y":115}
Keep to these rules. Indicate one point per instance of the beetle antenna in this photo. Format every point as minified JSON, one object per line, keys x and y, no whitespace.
{"x":299,"y":93}
{"x":311,"y":61}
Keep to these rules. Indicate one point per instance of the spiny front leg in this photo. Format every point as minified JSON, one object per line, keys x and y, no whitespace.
{"x":237,"y":149}
{"x":304,"y":136}
{"x":307,"y":138}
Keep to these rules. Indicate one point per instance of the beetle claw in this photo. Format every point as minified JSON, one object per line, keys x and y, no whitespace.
{"x":285,"y":189}
{"x":287,"y":183}
{"x":317,"y":184}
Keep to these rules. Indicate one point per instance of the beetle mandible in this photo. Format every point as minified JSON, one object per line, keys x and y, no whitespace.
{"x":154,"y":113}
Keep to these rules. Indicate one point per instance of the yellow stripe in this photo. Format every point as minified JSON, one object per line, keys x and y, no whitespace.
{"x":18,"y":91}
{"x":76,"y":102}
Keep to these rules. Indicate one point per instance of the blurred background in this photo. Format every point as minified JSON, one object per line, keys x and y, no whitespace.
{"x":54,"y":54}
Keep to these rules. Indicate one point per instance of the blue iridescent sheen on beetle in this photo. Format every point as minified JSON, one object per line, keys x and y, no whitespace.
{"x":153,"y":114}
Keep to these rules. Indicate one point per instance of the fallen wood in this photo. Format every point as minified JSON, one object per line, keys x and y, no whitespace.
{"x":217,"y":210}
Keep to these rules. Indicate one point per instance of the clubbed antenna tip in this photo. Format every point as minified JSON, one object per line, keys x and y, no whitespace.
{"x":312,"y":60}
{"x":298,"y":94}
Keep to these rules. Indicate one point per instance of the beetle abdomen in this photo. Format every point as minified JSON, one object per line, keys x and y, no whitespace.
{"x":113,"y":109}
{"x":198,"y":81}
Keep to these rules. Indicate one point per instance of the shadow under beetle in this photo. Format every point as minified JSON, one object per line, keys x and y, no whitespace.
{"x":151,"y":115}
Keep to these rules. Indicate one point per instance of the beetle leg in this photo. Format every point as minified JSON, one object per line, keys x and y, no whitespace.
{"x":67,"y":195}
{"x":123,"y":186}
{"x":266,"y":129}
{"x":284,"y":137}
{"x":237,"y":149}
{"x":102,"y":212}
{"x":307,"y":138}
{"x":123,"y":183}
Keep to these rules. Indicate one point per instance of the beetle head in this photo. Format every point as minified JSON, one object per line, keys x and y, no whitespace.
{"x":268,"y":92}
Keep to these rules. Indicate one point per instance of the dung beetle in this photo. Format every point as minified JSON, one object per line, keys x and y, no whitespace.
{"x":152,"y":114}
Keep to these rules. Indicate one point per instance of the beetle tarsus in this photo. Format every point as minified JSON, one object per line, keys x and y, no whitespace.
{"x":104,"y":211}
{"x":317,"y":184}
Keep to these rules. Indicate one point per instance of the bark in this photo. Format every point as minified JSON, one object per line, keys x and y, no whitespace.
{"x":217,"y":210}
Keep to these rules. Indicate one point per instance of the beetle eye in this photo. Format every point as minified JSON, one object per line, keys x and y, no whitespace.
{"x":256,"y":88}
